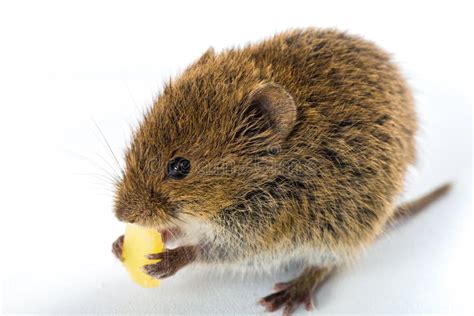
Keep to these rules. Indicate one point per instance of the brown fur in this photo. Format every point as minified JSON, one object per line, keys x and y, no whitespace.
{"x":301,"y":140}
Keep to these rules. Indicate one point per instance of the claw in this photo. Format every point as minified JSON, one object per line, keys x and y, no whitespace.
{"x":155,"y":256}
{"x":300,"y":291}
{"x":171,"y":261}
{"x":289,"y":298}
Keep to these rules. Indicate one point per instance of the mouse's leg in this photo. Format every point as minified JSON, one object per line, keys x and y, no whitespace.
{"x":171,"y":261}
{"x":296,"y":292}
{"x":117,"y":248}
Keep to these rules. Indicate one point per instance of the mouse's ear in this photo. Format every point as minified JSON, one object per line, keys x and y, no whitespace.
{"x":277,"y":107}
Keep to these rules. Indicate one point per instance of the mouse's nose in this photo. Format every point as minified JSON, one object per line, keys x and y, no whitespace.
{"x":126,"y":219}
{"x":124,"y":215}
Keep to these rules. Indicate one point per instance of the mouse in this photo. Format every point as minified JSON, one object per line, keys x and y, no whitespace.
{"x":290,"y":150}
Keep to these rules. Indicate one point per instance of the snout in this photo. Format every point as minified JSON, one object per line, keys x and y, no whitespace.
{"x":125,"y":215}
{"x":145,"y":214}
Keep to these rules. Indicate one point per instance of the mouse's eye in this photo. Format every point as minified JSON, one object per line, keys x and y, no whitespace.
{"x":178,"y":168}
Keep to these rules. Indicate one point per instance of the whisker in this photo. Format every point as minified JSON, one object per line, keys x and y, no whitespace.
{"x":131,"y":95}
{"x":107,"y":180}
{"x":108,"y":146}
{"x":93,"y":163}
{"x":102,"y":188}
{"x":106,"y":161}
{"x":173,"y":236}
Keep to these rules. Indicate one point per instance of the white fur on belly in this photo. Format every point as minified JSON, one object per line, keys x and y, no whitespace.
{"x":265,"y":262}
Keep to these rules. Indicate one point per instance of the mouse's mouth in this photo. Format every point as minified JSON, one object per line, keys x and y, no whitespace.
{"x":170,"y":234}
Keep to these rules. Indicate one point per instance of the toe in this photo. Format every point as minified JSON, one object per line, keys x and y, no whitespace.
{"x":289,"y":297}
{"x":117,"y":248}
{"x":274,"y":301}
{"x":153,"y":270}
{"x":160,"y":270}
{"x":281,"y":286}
{"x":308,"y":303}
{"x":289,"y":308}
{"x":155,"y":256}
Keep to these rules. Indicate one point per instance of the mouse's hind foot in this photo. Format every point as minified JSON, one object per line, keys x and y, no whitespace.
{"x":290,"y":295}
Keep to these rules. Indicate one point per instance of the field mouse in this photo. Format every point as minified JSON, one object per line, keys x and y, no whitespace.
{"x":293,"y":149}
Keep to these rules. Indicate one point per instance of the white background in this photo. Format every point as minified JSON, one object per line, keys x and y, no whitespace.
{"x":65,"y":65}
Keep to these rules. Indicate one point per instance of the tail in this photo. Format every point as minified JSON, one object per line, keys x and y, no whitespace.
{"x":413,"y":207}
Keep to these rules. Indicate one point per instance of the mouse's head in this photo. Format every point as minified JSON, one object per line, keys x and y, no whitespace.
{"x":204,"y":144}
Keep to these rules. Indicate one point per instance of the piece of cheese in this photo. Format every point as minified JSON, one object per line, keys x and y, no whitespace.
{"x":139,"y":242}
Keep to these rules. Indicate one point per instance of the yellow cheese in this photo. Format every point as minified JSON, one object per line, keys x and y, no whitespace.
{"x":139,"y":242}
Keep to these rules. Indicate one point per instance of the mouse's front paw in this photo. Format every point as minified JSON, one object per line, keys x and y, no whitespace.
{"x":171,"y":261}
{"x":117,"y":248}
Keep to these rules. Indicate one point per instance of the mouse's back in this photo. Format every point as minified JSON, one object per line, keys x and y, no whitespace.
{"x":353,"y":137}
{"x":355,"y":118}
